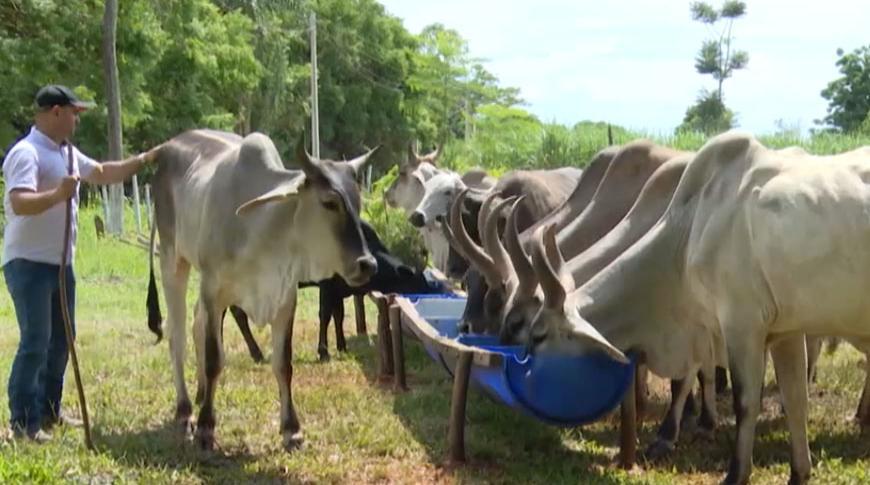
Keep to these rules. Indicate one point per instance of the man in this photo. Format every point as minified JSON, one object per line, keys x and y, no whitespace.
{"x":38,"y":186}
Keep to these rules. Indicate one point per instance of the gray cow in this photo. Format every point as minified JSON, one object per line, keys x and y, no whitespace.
{"x":226,"y":206}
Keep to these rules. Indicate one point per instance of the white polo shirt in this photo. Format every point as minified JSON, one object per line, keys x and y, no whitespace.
{"x":37,"y":163}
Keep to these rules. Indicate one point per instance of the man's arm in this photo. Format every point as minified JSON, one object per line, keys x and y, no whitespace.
{"x":116,"y":172}
{"x":27,"y":202}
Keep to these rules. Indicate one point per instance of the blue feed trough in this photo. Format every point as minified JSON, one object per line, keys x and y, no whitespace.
{"x":560,"y":390}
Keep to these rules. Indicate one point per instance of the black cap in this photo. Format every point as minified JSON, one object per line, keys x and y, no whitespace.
{"x":57,"y":95}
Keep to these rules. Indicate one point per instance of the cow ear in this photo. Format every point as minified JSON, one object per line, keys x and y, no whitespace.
{"x":582,"y":330}
{"x":282,"y":192}
{"x":360,"y":162}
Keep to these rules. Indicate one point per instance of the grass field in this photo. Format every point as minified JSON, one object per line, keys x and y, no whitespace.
{"x":357,"y":431}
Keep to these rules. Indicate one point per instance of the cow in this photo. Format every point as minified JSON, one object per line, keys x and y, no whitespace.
{"x":392,"y":276}
{"x":545,"y":190}
{"x":226,"y":206}
{"x":615,"y":179}
{"x":406,"y":191}
{"x":526,"y":298}
{"x":756,"y":249}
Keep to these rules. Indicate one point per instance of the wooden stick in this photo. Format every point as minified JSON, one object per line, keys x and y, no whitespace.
{"x":398,"y":348}
{"x":628,"y":426}
{"x":359,"y":305}
{"x":456,"y":432}
{"x":385,"y":339}
{"x":67,"y":321}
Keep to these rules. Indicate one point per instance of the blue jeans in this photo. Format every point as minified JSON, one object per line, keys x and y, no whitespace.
{"x":36,"y":380}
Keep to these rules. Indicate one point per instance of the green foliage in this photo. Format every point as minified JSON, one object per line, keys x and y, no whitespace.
{"x":849,"y":96}
{"x":447,"y":87}
{"x":708,"y":115}
{"x":717,"y":58}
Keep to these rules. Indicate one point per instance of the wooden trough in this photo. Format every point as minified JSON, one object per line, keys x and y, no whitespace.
{"x":562,"y":391}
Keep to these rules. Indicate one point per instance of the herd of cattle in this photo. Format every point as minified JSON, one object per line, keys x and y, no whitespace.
{"x":687,"y":261}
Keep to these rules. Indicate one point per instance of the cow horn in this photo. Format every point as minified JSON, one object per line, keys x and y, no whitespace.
{"x":555,"y":257}
{"x":483,"y":215}
{"x":554,"y":292}
{"x":433,"y":157}
{"x":491,"y":242}
{"x":521,"y":264}
{"x":413,"y":157}
{"x":359,"y":162}
{"x":466,"y":246}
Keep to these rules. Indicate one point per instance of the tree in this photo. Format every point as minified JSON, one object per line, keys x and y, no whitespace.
{"x":115,"y":215}
{"x":849,"y":96}
{"x":717,"y":58}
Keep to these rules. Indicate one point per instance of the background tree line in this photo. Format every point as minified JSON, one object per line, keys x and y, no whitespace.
{"x":243,"y":65}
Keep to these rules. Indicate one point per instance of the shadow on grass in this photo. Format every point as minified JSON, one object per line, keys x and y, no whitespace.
{"x":501,"y":443}
{"x":165,"y":447}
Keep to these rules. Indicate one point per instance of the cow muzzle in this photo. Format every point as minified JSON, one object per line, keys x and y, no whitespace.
{"x":417,"y":219}
{"x":363,"y":269}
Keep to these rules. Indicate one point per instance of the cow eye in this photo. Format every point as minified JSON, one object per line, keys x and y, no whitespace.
{"x":330,"y":205}
{"x":538,"y":338}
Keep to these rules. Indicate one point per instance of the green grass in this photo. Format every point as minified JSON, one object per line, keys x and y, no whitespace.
{"x":357,"y":431}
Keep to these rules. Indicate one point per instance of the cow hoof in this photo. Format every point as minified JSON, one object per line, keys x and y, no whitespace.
{"x":183,"y":413}
{"x":205,"y":439}
{"x":324,"y":356}
{"x":293,"y":441}
{"x":659,"y":450}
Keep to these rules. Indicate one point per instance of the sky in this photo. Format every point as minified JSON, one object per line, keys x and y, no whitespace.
{"x":631,"y":62}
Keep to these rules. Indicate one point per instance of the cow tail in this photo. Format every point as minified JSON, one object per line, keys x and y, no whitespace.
{"x":155,"y":319}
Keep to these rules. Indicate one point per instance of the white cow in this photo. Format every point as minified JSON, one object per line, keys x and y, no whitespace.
{"x":227,"y":207}
{"x":757,"y":247}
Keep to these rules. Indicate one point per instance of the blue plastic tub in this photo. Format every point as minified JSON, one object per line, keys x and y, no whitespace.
{"x":560,"y":390}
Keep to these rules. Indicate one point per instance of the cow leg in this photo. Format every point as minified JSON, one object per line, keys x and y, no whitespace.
{"x":198,"y":340}
{"x":708,"y":418}
{"x":814,"y":349}
{"x":213,"y":362}
{"x":175,"y":275}
{"x":790,"y":363}
{"x":862,"y":415}
{"x":721,"y":380}
{"x":338,"y":318}
{"x":746,"y":359}
{"x":669,"y":431}
{"x":242,"y":320}
{"x":325,"y":315}
{"x":282,"y":366}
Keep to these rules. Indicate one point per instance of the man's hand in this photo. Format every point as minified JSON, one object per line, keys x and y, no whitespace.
{"x":67,"y":188}
{"x":150,"y":155}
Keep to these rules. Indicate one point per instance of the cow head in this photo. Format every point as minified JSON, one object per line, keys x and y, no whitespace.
{"x":482,"y":316}
{"x":558,"y":327}
{"x":438,"y":192}
{"x":324,"y":203}
{"x":407,"y":189}
{"x":525,"y":298}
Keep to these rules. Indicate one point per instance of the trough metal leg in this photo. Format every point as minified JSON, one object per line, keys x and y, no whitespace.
{"x":398,"y":348}
{"x":456,"y":433}
{"x":628,"y":426}
{"x":359,"y":305}
{"x":385,"y":340}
